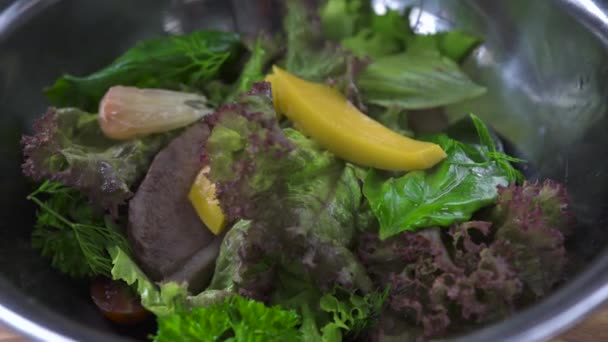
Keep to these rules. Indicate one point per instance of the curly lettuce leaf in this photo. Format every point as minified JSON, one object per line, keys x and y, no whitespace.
{"x":332,"y":316}
{"x":302,"y":202}
{"x":74,"y":235}
{"x":351,"y":314}
{"x":168,"y":62}
{"x":463,"y":183}
{"x":477,"y":271}
{"x":161,"y":300}
{"x":68,"y":146}
{"x":534,"y":218}
{"x":234,"y":319}
{"x":441,"y":285}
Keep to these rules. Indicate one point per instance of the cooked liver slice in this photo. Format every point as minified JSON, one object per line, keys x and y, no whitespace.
{"x":167,"y":236}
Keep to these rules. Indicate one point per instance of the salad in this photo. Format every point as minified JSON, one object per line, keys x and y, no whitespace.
{"x":288,"y":187}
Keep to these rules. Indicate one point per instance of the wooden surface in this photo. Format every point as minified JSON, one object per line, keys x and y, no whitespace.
{"x":592,"y":330}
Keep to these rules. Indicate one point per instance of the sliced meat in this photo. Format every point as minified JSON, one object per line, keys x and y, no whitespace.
{"x":168,"y":238}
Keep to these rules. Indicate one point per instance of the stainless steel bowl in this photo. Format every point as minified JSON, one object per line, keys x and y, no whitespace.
{"x":543,"y":62}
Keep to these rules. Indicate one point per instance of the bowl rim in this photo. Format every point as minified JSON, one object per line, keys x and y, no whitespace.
{"x":554,"y":314}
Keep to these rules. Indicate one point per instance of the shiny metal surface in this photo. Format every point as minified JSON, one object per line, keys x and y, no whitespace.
{"x":544,"y":63}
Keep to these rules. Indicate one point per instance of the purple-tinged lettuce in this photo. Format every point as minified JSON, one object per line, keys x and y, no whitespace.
{"x":68,"y":146}
{"x":302,"y":201}
{"x":534,"y":219}
{"x":476,"y":271}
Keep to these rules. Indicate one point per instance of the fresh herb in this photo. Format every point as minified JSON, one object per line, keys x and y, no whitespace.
{"x":71,"y":233}
{"x":169,"y":62}
{"x":234,"y":319}
{"x":68,"y":146}
{"x":463,"y":183}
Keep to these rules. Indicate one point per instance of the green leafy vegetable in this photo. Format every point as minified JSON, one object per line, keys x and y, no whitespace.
{"x":456,"y":45}
{"x":415,"y":80}
{"x":463,"y":183}
{"x":71,"y":233}
{"x":302,"y":202}
{"x":441,"y":279}
{"x":350,"y":313}
{"x":534,"y":218}
{"x":69,"y":147}
{"x":388,"y":34}
{"x":309,"y":54}
{"x":234,"y":319}
{"x":264,"y":51}
{"x":343,"y":18}
{"x":162,"y":301}
{"x":168,"y":62}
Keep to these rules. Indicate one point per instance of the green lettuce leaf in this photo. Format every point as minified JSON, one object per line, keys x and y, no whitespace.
{"x":387,"y":34}
{"x":343,"y":18}
{"x":417,"y":79}
{"x":234,"y":319}
{"x":263,"y":52}
{"x":309,"y":54}
{"x":69,"y":147}
{"x":463,"y":183}
{"x":161,"y":300}
{"x":455,"y":45}
{"x":169,"y":62}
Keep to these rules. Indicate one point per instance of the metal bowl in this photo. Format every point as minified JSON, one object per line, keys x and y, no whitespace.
{"x":542,"y":61}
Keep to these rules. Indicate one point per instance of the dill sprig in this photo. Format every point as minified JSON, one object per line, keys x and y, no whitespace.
{"x":70,"y":232}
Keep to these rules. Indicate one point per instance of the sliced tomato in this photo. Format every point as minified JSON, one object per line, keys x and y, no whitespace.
{"x":117,"y":301}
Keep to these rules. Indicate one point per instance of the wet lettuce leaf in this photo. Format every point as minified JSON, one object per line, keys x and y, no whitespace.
{"x":68,"y":146}
{"x":466,"y":181}
{"x":417,"y":79}
{"x":168,"y":62}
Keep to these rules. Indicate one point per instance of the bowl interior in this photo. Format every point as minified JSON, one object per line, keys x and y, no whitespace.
{"x":544,"y":71}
